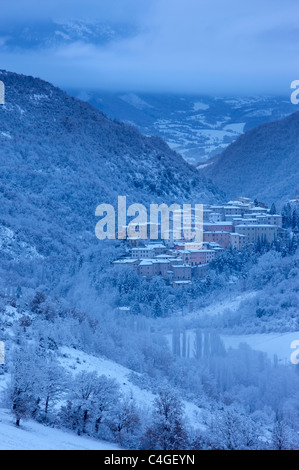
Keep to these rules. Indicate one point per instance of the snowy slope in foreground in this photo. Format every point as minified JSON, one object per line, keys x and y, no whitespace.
{"x":76,"y":361}
{"x":34,"y":436}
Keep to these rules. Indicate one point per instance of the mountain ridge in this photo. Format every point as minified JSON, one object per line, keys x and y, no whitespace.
{"x":262,"y":163}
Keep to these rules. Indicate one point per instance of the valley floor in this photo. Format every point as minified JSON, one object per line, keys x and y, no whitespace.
{"x":272,"y":344}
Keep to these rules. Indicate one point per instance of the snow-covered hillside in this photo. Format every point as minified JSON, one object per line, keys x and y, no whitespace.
{"x":34,"y":436}
{"x":77,"y":361}
{"x":63,"y":159}
{"x":86,"y":346}
{"x":262,"y":163}
{"x":103,"y":376}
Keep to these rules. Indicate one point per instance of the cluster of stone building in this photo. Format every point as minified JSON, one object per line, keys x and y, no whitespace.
{"x":172,"y":263}
{"x":232,"y":225}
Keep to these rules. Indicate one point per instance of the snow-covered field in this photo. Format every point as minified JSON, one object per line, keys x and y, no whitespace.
{"x":272,"y":344}
{"x":34,"y":436}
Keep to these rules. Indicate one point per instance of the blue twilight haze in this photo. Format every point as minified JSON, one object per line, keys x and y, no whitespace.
{"x":185,"y":46}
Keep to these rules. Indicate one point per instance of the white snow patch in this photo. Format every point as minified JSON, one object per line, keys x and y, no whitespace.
{"x":230,"y":303}
{"x":237,"y":128}
{"x":199,"y":106}
{"x":39,"y":97}
{"x":6,"y":134}
{"x":200,"y":167}
{"x":34,"y":436}
{"x":135,"y":101}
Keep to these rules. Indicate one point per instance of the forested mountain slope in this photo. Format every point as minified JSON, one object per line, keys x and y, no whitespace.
{"x":59,"y":159}
{"x":262,"y":163}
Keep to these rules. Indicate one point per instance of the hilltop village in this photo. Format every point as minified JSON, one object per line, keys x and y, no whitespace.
{"x":233,"y":225}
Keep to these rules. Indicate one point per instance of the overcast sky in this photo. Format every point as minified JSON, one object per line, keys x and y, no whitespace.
{"x":198,"y":46}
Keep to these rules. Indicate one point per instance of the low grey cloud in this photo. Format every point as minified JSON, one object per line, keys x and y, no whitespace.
{"x":176,"y":45}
